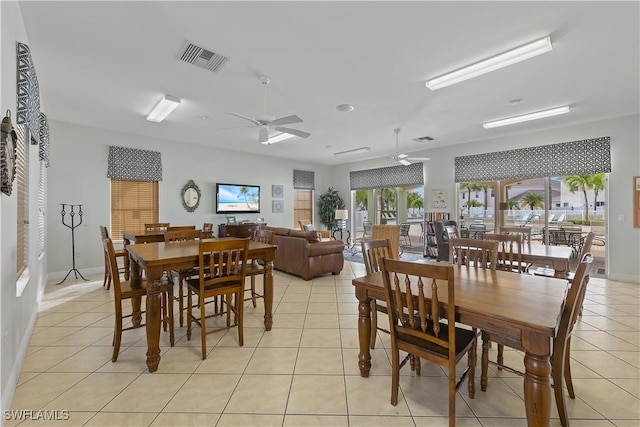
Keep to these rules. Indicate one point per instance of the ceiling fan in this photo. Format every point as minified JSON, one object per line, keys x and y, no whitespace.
{"x":402,"y":158}
{"x":267,"y":123}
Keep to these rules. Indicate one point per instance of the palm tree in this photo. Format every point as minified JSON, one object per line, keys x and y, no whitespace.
{"x":533,"y":200}
{"x":469,"y":186}
{"x":598,"y":182}
{"x":362,"y":198}
{"x":584,"y":183}
{"x":415,"y":200}
{"x":244,"y":190}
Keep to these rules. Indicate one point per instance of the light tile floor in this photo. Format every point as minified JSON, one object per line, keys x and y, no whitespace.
{"x":304,"y":372}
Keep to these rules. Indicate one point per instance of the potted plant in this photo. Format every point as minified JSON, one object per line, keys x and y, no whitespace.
{"x":328,"y":203}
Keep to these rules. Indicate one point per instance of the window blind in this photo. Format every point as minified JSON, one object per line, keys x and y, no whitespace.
{"x":133,"y":204}
{"x":22,"y":180}
{"x":391,"y":176}
{"x":567,"y":158}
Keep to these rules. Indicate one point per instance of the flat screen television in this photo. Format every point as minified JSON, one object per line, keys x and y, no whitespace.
{"x":237,"y":199}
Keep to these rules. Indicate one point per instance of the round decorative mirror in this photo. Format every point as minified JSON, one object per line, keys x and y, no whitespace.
{"x":190,"y":196}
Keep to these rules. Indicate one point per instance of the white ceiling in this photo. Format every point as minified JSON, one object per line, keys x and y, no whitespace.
{"x":106,"y":64}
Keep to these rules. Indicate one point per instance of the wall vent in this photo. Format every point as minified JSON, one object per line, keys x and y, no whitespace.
{"x":201,"y":57}
{"x":423,"y":139}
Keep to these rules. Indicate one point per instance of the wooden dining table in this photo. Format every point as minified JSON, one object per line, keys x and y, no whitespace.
{"x":157,"y":257}
{"x":556,"y":256}
{"x":520,"y":307}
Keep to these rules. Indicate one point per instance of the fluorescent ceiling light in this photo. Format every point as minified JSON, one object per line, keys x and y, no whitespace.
{"x":279,"y":137}
{"x":404,"y":162}
{"x":509,"y":57}
{"x":526,"y":117}
{"x":354,"y":151}
{"x":163,"y":108}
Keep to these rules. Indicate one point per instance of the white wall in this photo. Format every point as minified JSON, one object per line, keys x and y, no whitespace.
{"x":78,"y":175}
{"x":17,"y":313}
{"x":624,"y":240}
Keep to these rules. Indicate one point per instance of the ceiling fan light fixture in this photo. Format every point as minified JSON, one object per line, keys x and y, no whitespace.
{"x":277,"y":138}
{"x":354,"y":151}
{"x":526,"y":117}
{"x":493,"y":63}
{"x":163,"y":108}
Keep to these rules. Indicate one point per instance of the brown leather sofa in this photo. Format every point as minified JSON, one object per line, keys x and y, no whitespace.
{"x":303,"y":254}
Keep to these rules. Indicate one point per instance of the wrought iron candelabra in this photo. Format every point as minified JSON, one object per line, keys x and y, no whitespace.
{"x":72,"y":226}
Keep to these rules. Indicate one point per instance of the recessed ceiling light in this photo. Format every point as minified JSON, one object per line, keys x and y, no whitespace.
{"x":516,"y":101}
{"x":205,"y":117}
{"x":345,"y":108}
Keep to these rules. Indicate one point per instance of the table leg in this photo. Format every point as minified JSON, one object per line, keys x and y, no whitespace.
{"x":136,"y":302}
{"x":153,"y":318}
{"x":537,"y":386}
{"x":561,"y":269}
{"x":268,"y":295}
{"x":364,"y":331}
{"x":127,"y":262}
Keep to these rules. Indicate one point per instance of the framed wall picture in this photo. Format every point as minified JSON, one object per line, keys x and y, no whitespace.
{"x":277,"y":206}
{"x":277,"y":191}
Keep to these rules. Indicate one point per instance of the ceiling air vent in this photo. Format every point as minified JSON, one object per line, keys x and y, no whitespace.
{"x":423,"y":139}
{"x":203,"y":58}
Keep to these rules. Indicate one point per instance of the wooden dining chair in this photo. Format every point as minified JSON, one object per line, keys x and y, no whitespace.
{"x":181,"y":227}
{"x":119,"y":254}
{"x":422,"y":324}
{"x":372,"y":253}
{"x":222,"y":268}
{"x":254,"y":266}
{"x":391,"y":232}
{"x":207,"y":230}
{"x":156,"y":226}
{"x":561,"y":357}
{"x":509,"y":252}
{"x":123,"y":291}
{"x":178,"y":236}
{"x":525,"y":232}
{"x":474,"y":253}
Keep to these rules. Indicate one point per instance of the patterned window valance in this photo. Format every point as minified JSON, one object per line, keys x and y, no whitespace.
{"x":567,"y":158}
{"x":304,"y":180}
{"x":392,"y":176}
{"x":134,"y":164}
{"x":28,"y":112}
{"x":44,"y":139}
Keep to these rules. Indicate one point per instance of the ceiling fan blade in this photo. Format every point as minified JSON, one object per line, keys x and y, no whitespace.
{"x":419,"y":159}
{"x":263,"y":135}
{"x":254,"y":121}
{"x":286,"y":121}
{"x":295,"y":132}
{"x":402,"y":156}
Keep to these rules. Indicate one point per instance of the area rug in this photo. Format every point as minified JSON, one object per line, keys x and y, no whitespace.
{"x":355,"y":255}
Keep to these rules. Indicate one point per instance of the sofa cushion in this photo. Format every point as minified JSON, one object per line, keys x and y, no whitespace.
{"x":310,"y":236}
{"x":279,"y":231}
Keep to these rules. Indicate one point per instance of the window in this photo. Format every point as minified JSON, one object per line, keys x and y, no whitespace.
{"x":133,"y":204}
{"x":302,"y":206}
{"x":22,"y":184}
